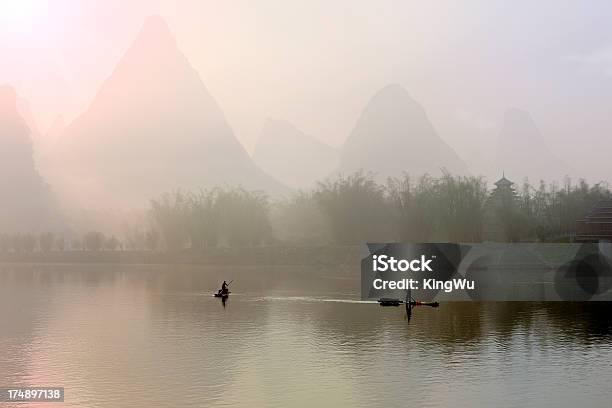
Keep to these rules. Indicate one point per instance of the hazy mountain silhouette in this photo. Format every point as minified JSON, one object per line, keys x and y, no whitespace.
{"x":481,"y":164}
{"x":521,"y":151}
{"x":394,"y":135}
{"x":153,"y":127}
{"x":27,"y":204}
{"x":57,"y":128}
{"x":296,"y":159}
{"x":38,"y":141}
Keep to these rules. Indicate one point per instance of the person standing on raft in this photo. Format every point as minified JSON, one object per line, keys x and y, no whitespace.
{"x":224,"y":288}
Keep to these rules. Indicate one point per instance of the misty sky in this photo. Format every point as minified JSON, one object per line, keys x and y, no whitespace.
{"x":317,"y":63}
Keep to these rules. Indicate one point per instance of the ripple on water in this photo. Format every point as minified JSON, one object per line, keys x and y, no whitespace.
{"x":161,"y":340}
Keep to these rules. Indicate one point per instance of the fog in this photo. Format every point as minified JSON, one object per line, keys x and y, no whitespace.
{"x":119,"y":113}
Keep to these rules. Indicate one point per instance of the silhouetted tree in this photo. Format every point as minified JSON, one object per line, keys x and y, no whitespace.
{"x":413,"y":208}
{"x":5,"y":243}
{"x":76,"y":244}
{"x":111,"y":243}
{"x":28,"y":242}
{"x":235,"y":217}
{"x":550,"y":213}
{"x":204,"y":216}
{"x":93,"y":241}
{"x":151,"y":240}
{"x":449,"y":208}
{"x":243,"y":217}
{"x":135,"y":238}
{"x":60,"y":243}
{"x":356,"y":208}
{"x":171,"y":213}
{"x":300,"y":219}
{"x":46,"y":241}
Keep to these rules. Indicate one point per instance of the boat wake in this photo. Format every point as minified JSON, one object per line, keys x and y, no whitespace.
{"x":310,"y":299}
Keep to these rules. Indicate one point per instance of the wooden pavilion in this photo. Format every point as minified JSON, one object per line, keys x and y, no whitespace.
{"x":597,"y":225}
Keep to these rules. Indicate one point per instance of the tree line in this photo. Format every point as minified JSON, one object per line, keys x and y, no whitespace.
{"x":347,"y":210}
{"x":208,"y":218}
{"x":354,"y":209}
{"x":48,"y":242}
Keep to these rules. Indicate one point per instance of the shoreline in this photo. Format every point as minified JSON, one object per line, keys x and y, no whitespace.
{"x":340,"y":256}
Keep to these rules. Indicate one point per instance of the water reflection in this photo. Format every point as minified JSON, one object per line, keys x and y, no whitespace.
{"x":154,"y":335}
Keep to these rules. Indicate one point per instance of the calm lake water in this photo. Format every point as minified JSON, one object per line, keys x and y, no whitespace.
{"x":144,"y":336}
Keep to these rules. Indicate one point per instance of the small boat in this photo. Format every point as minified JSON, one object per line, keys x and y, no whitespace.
{"x":409,"y":302}
{"x":390,"y":302}
{"x":224,"y":291}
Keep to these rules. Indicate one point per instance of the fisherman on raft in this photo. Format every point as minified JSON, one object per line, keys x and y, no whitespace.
{"x":224,"y":288}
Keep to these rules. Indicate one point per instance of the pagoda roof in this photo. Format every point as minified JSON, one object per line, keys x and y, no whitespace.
{"x":503,"y":182}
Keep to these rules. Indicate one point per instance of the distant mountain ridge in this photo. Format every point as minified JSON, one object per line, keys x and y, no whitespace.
{"x":153,"y":127}
{"x":296,"y":159}
{"x":522,"y":152}
{"x":27,"y":203}
{"x":393,"y":136}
